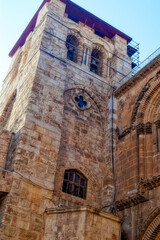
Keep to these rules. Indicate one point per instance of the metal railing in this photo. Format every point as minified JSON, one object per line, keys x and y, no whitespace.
{"x":142,"y":64}
{"x":146,"y":61}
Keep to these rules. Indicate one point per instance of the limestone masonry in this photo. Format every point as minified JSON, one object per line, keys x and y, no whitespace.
{"x":79,"y":133}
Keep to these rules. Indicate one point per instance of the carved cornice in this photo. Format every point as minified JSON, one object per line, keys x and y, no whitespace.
{"x":149,"y":184}
{"x":157,"y":123}
{"x":130,"y":202}
{"x":81,"y":209}
{"x":123,"y":134}
{"x":144,"y":128}
{"x":148,"y":128}
{"x":143,"y":186}
{"x":141,"y":128}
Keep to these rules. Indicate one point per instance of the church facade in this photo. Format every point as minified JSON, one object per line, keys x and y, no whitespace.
{"x":79,"y":133}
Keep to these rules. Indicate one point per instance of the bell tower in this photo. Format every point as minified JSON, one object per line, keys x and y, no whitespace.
{"x":56,"y":124}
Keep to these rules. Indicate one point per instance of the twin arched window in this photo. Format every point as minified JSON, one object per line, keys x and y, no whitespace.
{"x":96,"y":62}
{"x":75,"y":183}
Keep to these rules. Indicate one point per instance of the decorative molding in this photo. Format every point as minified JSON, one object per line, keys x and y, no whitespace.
{"x":139,"y":99}
{"x":143,"y":186}
{"x":83,"y":209}
{"x":142,"y":128}
{"x":152,"y":230}
{"x":157,"y":123}
{"x":149,"y":184}
{"x":124,"y":133}
{"x":130,"y":202}
{"x":148,"y":128}
{"x":93,"y":96}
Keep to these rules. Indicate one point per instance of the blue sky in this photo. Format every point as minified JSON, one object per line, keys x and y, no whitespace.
{"x":139,"y":19}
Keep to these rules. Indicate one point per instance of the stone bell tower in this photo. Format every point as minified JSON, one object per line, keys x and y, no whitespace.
{"x":56,"y":123}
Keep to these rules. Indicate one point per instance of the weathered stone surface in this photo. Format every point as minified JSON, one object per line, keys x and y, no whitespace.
{"x":5,"y":138}
{"x":137,"y":152}
{"x":60,"y":114}
{"x":81,"y":223}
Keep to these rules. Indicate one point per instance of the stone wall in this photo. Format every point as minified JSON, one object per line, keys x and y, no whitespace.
{"x":137,"y":131}
{"x":5,"y":138}
{"x":52,"y":133}
{"x":137,"y":150}
{"x":81,"y":224}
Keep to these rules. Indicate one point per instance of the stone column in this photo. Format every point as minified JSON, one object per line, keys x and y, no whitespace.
{"x":84,"y":56}
{"x":87,"y":57}
{"x":158,"y":134}
{"x":148,"y":150}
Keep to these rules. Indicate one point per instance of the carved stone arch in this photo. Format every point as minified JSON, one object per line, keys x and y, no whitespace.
{"x":99,"y":55}
{"x":152,"y":227}
{"x":79,"y":48}
{"x":152,"y":109}
{"x":100,"y":47}
{"x":106,"y":48}
{"x":147,"y":102}
{"x":73,"y":31}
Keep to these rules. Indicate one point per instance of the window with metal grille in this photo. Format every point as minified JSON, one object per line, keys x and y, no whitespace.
{"x":75,"y":183}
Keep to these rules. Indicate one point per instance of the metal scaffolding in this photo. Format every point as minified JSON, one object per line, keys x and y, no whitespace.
{"x":133,"y":53}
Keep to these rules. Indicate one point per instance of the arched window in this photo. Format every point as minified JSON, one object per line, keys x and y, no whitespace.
{"x":75,"y":183}
{"x":96,"y":62}
{"x":72,"y":51}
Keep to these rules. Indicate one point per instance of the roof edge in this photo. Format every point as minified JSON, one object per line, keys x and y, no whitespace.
{"x":140,"y":74}
{"x":30,"y":27}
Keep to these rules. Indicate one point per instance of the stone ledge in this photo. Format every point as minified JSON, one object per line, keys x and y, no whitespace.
{"x":130,"y":202}
{"x":143,"y":186}
{"x":84,"y":209}
{"x":149,"y":184}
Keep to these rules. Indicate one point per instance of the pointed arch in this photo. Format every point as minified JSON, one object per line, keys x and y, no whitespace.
{"x":74,"y":45}
{"x":147,"y":105}
{"x":152,"y":231}
{"x":98,"y":60}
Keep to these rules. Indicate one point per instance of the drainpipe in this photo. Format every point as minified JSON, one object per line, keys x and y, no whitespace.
{"x":112,"y":156}
{"x":112,"y":153}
